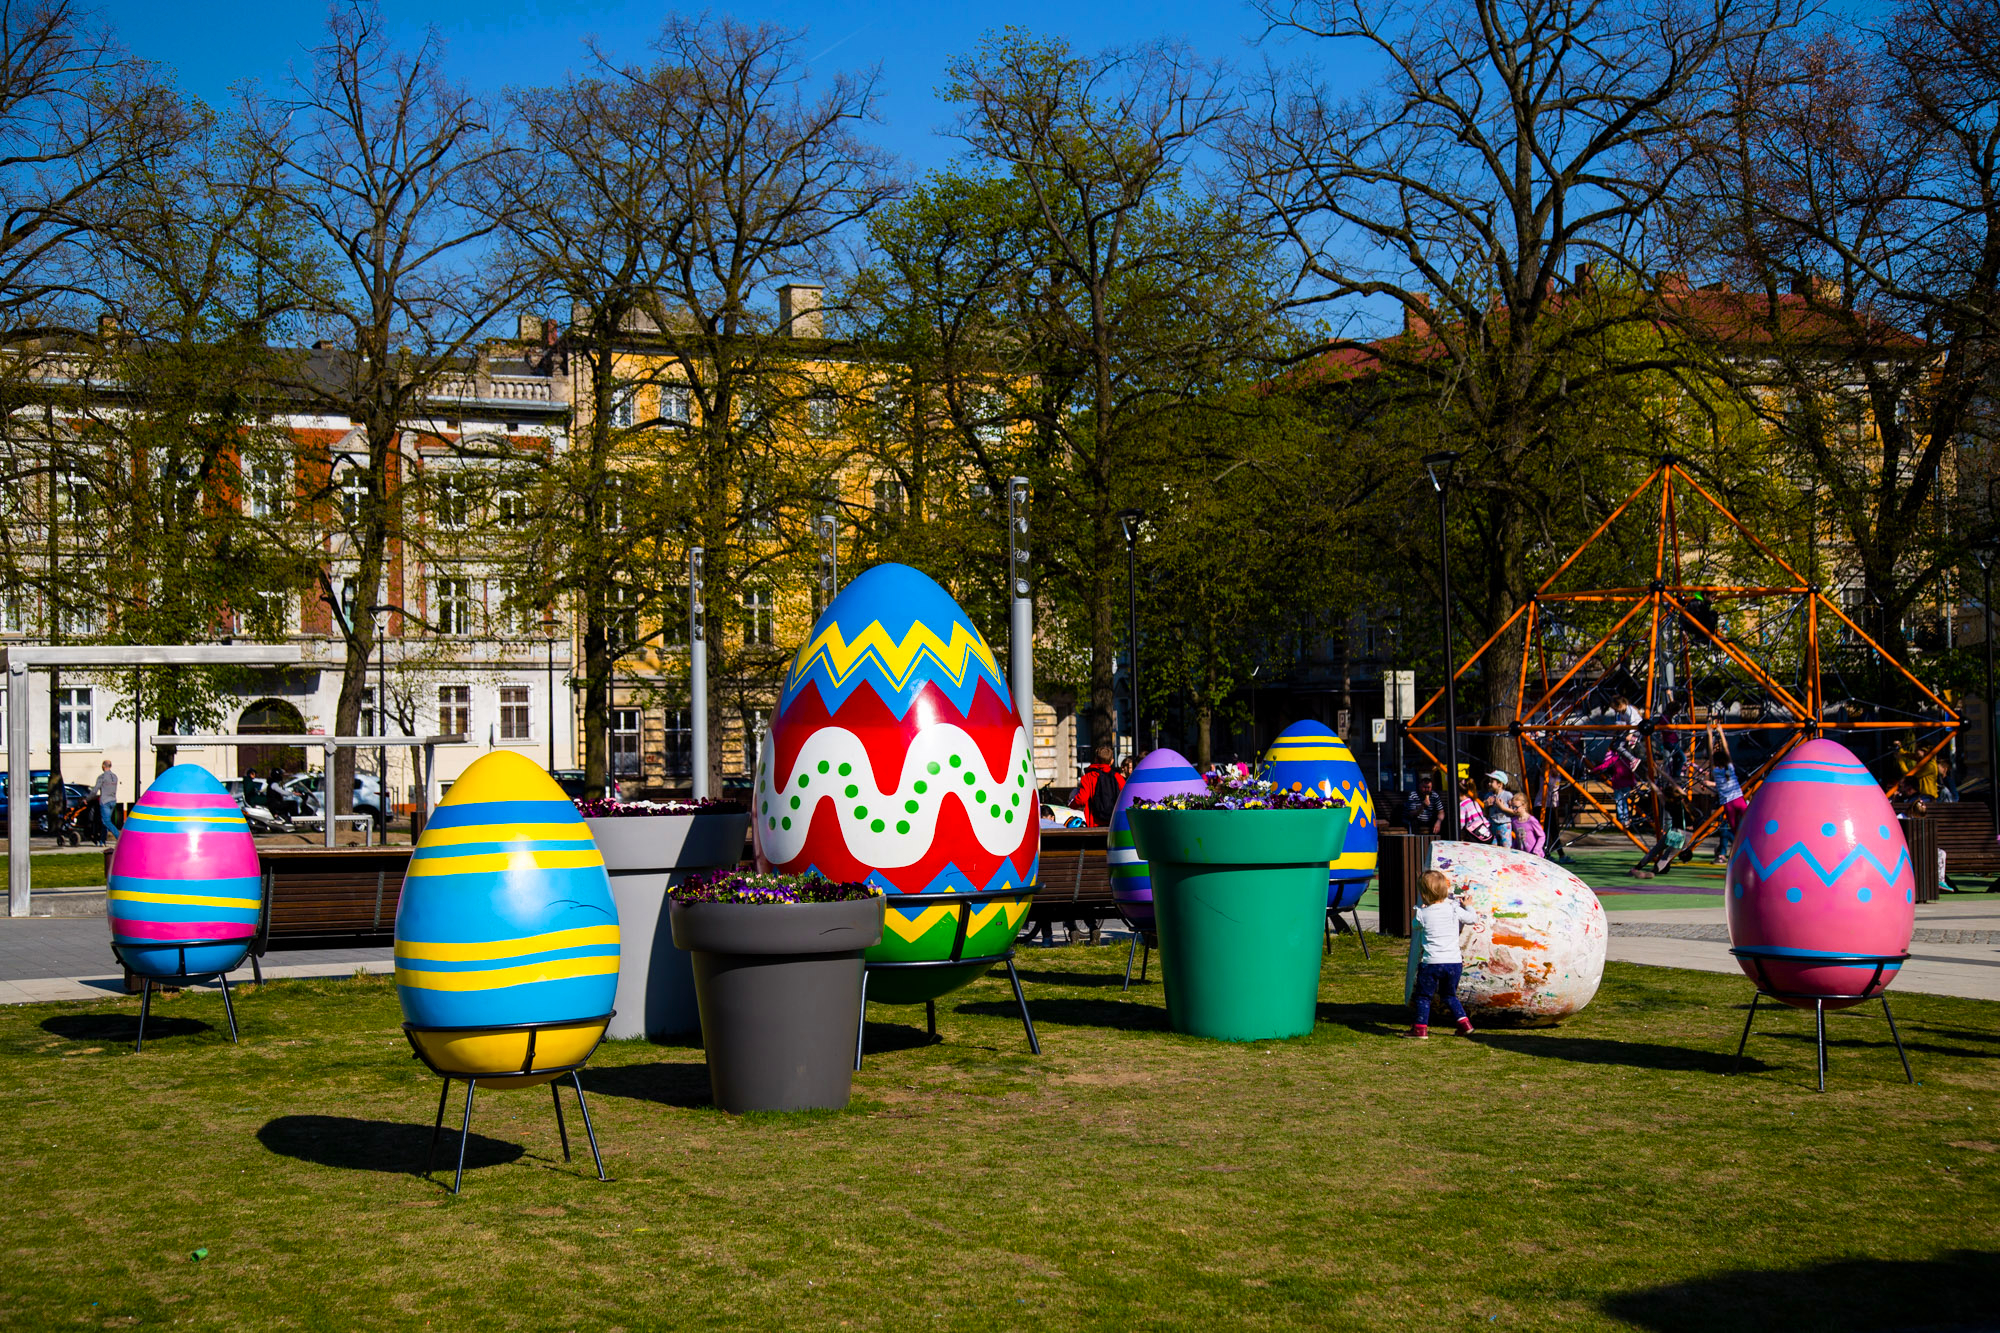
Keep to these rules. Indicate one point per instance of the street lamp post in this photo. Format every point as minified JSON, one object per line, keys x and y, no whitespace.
{"x":549,"y":636}
{"x":1439,"y":467}
{"x":1128,"y":521}
{"x":1984,"y":554}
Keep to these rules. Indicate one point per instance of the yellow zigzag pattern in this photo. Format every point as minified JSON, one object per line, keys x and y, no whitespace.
{"x":910,"y":929}
{"x":896,"y":660}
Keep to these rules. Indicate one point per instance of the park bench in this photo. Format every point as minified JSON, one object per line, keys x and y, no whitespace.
{"x":1075,"y":881}
{"x":329,"y":898}
{"x":1963,"y":830}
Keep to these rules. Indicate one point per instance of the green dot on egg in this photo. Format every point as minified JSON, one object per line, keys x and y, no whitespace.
{"x":1010,"y":816}
{"x":852,"y":791}
{"x":877,"y":826}
{"x":1015,"y":799}
{"x":771,"y":823}
{"x":822,"y":765}
{"x":911,"y":806}
{"x":980,"y":797}
{"x":902,"y":826}
{"x":922,"y":786}
{"x":767,"y":808}
{"x":996,"y":812}
{"x":956,"y":761}
{"x":971,"y":778}
{"x":786,"y":821}
{"x":795,"y":803}
{"x":845,"y":769}
{"x":861,"y":812}
{"x":932,"y":766}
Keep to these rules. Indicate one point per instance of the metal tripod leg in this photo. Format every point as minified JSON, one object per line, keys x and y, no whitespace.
{"x":1145,"y":958}
{"x":1819,"y":1025}
{"x":555,"y":1090}
{"x":1326,"y":930}
{"x":228,"y":1008}
{"x":437,"y":1127}
{"x":588,"y":1132}
{"x":256,"y":970}
{"x":1898,"y":1037}
{"x":1131,"y":954}
{"x":1754,"y":997}
{"x":930,"y":1016}
{"x":1034,"y":1042}
{"x":1357,"y":932}
{"x":145,"y":1008}
{"x":464,"y":1134}
{"x":861,"y":1024}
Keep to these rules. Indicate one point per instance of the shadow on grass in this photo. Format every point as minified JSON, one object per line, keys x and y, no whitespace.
{"x":121,"y":1028}
{"x":1039,"y":976}
{"x":348,"y":1144}
{"x":1134,"y":1015}
{"x":1382,"y":1020}
{"x":1954,"y":1291}
{"x":683,"y":1084}
{"x":1632,"y":1054}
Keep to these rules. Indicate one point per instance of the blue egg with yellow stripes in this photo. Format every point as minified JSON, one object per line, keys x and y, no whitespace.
{"x":506,"y":935}
{"x":1311,"y":755}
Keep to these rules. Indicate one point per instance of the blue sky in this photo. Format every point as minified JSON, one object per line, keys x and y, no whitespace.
{"x":214,"y":43}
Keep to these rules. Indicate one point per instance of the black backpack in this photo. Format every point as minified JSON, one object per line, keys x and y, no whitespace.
{"x":1103,"y":798}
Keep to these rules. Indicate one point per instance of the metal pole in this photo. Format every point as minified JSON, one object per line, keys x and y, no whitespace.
{"x":1992,"y":723}
{"x":829,"y":557}
{"x":697,"y":677}
{"x":551,"y":638}
{"x":20,"y":879}
{"x":1450,"y":663}
{"x":326,"y":802}
{"x":1132,"y":625}
{"x":1020,"y":607}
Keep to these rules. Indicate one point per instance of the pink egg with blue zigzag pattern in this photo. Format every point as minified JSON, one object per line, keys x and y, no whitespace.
{"x":1821,"y":877}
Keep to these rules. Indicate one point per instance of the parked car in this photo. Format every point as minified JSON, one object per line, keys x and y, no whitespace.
{"x":572,"y":782}
{"x":38,"y":800}
{"x":304,"y":791}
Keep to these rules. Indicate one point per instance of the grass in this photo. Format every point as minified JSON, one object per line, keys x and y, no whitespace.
{"x":67,"y":870}
{"x":1606,"y":1173}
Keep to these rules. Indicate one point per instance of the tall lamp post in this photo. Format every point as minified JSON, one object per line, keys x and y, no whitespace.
{"x":1128,"y":521}
{"x":549,"y":636}
{"x":1983,"y":552}
{"x":1439,"y":466}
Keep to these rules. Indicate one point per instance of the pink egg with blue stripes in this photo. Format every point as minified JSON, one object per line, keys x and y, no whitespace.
{"x":184,"y":887}
{"x":1821,"y":877}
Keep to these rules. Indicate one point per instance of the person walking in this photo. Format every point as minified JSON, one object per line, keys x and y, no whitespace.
{"x":1499,"y":805}
{"x":106,"y":791}
{"x":1097,"y":793}
{"x":57,"y":812}
{"x":1441,"y":965}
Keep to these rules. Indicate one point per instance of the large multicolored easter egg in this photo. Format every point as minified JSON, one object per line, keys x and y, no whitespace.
{"x":184,"y":886}
{"x":1821,"y":870}
{"x":1312,"y":755}
{"x":1536,"y":954}
{"x":1161,"y":773}
{"x":896,"y":757}
{"x":506,"y":935}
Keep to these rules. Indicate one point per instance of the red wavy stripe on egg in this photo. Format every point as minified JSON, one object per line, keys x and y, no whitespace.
{"x":991,"y":724}
{"x":953,"y":845}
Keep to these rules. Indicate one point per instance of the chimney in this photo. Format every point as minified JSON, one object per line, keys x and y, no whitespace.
{"x":527,"y":329}
{"x":1414,"y":324}
{"x":1582,"y":279}
{"x":799,"y":310}
{"x":549,"y":328}
{"x":107,"y":327}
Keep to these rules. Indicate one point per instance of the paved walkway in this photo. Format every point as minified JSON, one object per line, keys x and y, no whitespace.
{"x":69,"y":958}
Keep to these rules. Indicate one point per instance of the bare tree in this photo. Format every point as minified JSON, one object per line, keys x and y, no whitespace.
{"x":378,"y":153}
{"x":1512,"y":143}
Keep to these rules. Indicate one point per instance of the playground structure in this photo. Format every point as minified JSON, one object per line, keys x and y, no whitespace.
{"x":1696,"y":644}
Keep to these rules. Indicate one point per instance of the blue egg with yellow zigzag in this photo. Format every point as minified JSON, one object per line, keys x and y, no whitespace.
{"x":1312,"y":755}
{"x":506,"y":916}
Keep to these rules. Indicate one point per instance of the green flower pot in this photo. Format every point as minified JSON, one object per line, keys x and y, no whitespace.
{"x":1240,"y":899}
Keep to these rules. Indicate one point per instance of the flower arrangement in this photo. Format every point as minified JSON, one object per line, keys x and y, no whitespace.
{"x":597,"y":807}
{"x":734,"y":886}
{"x":1234,"y":791}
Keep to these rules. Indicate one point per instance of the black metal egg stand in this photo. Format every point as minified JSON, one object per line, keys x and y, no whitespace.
{"x":1758,"y":957}
{"x":411,"y":1030}
{"x":1335,"y":923}
{"x":964,"y":903}
{"x":1143,"y":937}
{"x":146,"y":979}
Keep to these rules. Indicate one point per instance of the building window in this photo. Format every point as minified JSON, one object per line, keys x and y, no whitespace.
{"x":625,"y":741}
{"x":73,"y":495}
{"x":511,"y":509}
{"x":13,"y":618}
{"x":990,"y":422}
{"x":621,"y":618}
{"x":73,"y":717}
{"x":454,"y":710}
{"x":369,"y":720}
{"x":514,"y":714}
{"x":675,"y":403}
{"x":758,"y":614}
{"x":451,"y":505}
{"x":453,"y":600}
{"x":888,"y":405}
{"x":888,"y":497}
{"x":353,"y":493}
{"x":680,"y":743}
{"x":822,"y":413}
{"x":274,"y":611}
{"x":749,"y":412}
{"x":512,"y":608}
{"x":624,"y":409}
{"x":614,"y":504}
{"x":78,"y":620}
{"x":266,"y":490}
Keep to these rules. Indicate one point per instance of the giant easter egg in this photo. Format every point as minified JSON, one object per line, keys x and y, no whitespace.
{"x":897,"y":757}
{"x":1536,"y":953}
{"x":184,"y":887}
{"x":1820,"y":871}
{"x":1161,"y":773}
{"x":506,"y":922}
{"x":1311,"y":756}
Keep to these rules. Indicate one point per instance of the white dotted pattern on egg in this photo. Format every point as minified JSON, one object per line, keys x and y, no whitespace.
{"x":895,"y":828}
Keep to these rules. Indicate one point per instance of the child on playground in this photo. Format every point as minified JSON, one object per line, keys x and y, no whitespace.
{"x":1728,"y":787}
{"x":1438,"y":972}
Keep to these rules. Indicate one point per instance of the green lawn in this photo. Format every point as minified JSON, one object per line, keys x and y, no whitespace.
{"x":67,"y":870}
{"x":1607,"y":1173}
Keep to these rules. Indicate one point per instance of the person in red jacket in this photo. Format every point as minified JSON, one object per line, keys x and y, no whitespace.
{"x":1097,"y":794}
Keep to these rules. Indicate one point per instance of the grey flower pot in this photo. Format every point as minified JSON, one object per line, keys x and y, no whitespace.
{"x":780,"y":993}
{"x":645,"y":856}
